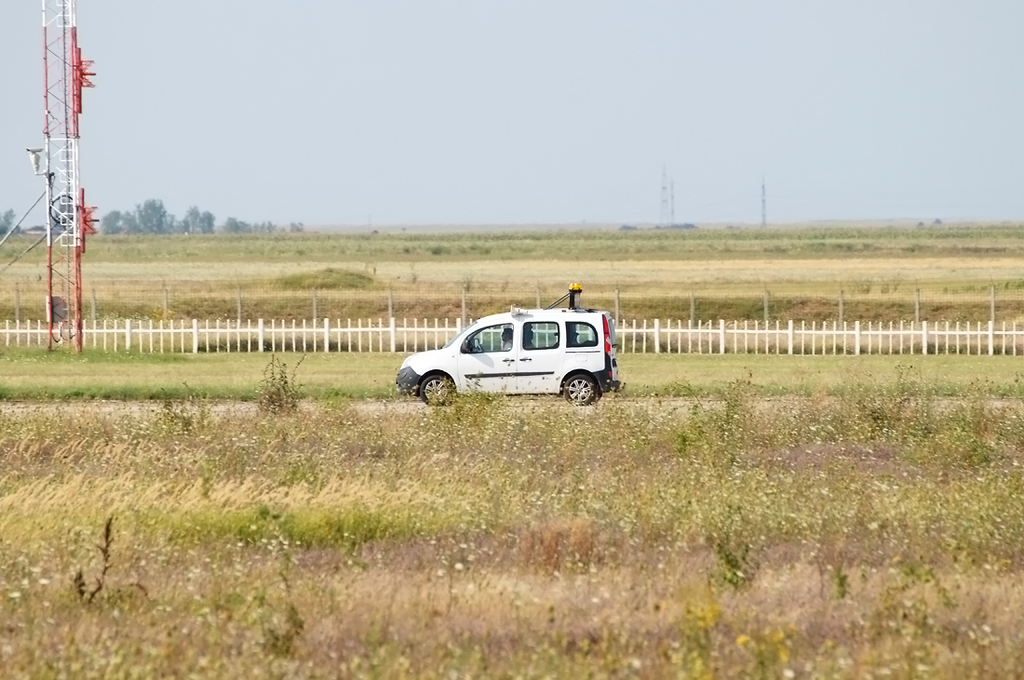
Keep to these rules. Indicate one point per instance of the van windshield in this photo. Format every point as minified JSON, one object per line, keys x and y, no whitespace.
{"x":461,"y":334}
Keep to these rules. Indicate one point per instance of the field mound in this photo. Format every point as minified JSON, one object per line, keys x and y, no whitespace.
{"x":329,"y":278}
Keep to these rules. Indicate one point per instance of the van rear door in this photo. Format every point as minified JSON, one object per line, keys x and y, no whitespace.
{"x":541,"y":354}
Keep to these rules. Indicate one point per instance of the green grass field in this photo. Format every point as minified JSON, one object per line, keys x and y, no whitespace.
{"x":32,"y":374}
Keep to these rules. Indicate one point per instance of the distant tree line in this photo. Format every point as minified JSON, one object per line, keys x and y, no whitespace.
{"x":151,"y":217}
{"x":6,"y":221}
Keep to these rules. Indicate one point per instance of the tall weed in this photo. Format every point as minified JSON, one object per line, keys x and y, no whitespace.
{"x":279,"y":391}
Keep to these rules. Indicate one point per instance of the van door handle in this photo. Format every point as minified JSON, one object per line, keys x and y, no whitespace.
{"x":526,"y":359}
{"x":508,"y":361}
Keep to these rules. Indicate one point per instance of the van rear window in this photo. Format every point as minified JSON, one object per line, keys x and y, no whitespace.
{"x":580,"y":334}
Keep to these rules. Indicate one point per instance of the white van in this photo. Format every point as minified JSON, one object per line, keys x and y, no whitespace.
{"x":524,"y":351}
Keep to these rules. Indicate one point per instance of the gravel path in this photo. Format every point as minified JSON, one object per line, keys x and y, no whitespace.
{"x":248,"y":408}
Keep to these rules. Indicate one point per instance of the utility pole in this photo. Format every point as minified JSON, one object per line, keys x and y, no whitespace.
{"x":672,"y":210}
{"x":665,"y":208}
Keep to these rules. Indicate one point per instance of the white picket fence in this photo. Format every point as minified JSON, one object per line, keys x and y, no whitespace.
{"x":639,"y":337}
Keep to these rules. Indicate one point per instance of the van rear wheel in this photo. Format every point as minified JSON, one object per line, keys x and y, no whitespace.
{"x":581,"y":389}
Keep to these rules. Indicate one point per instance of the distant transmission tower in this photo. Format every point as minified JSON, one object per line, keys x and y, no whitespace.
{"x":68,"y":219}
{"x":668,"y":199}
{"x":764,"y":206}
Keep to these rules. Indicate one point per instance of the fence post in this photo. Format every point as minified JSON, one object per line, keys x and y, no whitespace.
{"x":917,"y":306}
{"x":393,"y":333}
{"x":924,"y":337}
{"x":693,"y":309}
{"x":721,"y":336}
{"x":195,"y":336}
{"x":657,"y":336}
{"x":128,"y":335}
{"x":316,"y":312}
{"x":991,"y":337}
{"x":391,"y":304}
{"x":538,"y":297}
{"x":618,"y":315}
{"x":856,"y":338}
{"x":327,"y":334}
{"x":992,"y":304}
{"x":789,"y":337}
{"x":259,"y":325}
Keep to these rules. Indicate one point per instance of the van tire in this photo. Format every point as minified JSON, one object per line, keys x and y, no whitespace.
{"x":437,"y":389}
{"x":581,"y":389}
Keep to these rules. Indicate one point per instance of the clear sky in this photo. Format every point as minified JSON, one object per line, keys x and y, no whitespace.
{"x":535,"y":111}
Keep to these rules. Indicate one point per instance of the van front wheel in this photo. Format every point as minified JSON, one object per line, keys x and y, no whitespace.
{"x":581,"y":390}
{"x":437,"y":389}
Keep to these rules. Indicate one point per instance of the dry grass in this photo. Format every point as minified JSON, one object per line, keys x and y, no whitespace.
{"x":877,"y":532}
{"x":803,"y":269}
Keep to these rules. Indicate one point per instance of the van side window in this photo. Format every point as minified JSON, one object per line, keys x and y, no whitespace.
{"x":490,"y":339}
{"x":540,"y":335}
{"x":580,"y":334}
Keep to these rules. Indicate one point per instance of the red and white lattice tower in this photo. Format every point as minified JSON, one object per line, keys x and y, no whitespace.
{"x":69,"y":220}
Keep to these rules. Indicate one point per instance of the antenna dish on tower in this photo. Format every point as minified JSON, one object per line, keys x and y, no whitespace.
{"x":35,"y":157}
